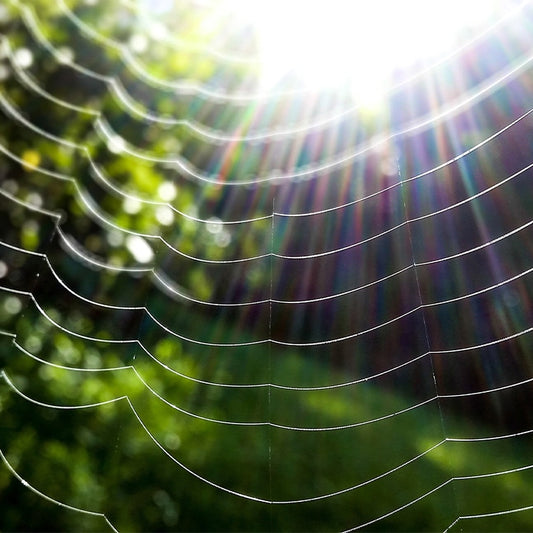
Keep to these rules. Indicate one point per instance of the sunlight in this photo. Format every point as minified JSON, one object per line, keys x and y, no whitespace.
{"x":338,"y":42}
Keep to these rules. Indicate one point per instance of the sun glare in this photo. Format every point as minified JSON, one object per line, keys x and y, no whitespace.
{"x":325,"y":44}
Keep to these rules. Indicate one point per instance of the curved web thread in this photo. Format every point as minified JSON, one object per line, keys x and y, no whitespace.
{"x":102,"y":126}
{"x":317,"y":396}
{"x":101,"y":217}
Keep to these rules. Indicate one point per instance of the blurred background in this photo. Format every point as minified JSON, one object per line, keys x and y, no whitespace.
{"x":266,"y":266}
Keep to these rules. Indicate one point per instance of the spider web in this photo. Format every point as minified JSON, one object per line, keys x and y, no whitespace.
{"x":223,"y":309}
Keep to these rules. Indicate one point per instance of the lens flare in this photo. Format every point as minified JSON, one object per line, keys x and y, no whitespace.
{"x":339,"y":42}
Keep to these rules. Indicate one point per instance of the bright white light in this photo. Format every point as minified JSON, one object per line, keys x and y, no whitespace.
{"x":23,"y":57}
{"x":116,"y":144}
{"x":131,"y":205}
{"x":157,"y":7}
{"x":139,"y":248}
{"x":164,"y":215}
{"x":329,"y":43}
{"x":157,"y":31}
{"x":167,"y":191}
{"x":138,"y":43}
